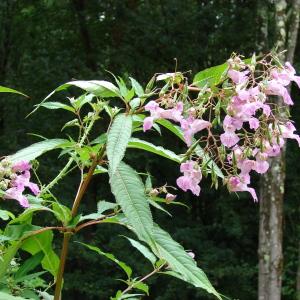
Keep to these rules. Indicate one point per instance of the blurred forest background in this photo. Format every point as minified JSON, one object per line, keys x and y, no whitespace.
{"x":44,"y":43}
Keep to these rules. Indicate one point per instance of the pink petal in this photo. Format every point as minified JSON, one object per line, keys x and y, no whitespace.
{"x":148,"y":123}
{"x":229,"y":138}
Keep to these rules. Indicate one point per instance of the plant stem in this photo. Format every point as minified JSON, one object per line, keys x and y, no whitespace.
{"x":130,"y":287}
{"x":64,"y":171}
{"x":62,"y":263}
{"x":81,"y":191}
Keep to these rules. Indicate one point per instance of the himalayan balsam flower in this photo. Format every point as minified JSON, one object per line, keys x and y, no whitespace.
{"x":253,"y":133}
{"x":20,"y":181}
{"x":191,"y":177}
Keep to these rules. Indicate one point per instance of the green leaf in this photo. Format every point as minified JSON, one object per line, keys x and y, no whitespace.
{"x":117,"y":140}
{"x":210,"y":76}
{"x":100,"y":170}
{"x":62,"y":213}
{"x":5,"y":215}
{"x":98,"y":88}
{"x":26,"y":215}
{"x":57,"y":105}
{"x":81,"y":100}
{"x":29,"y":265}
{"x":142,"y":286}
{"x":171,"y":127}
{"x":43,"y":242}
{"x":143,"y":249}
{"x":144,"y":145}
{"x":4,"y":89}
{"x":110,"y":256}
{"x":4,"y":296}
{"x":103,"y":206}
{"x":8,"y":255}
{"x":30,"y":276}
{"x":137,"y":87}
{"x":156,"y":205}
{"x":180,"y":262}
{"x":129,"y":191}
{"x":37,"y":149}
{"x":134,"y":103}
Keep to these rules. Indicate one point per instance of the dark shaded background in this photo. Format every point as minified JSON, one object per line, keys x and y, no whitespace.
{"x":44,"y":43}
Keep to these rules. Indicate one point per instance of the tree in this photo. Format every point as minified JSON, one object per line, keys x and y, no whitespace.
{"x":272,"y":184}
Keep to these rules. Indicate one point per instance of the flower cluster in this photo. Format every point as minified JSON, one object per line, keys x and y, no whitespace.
{"x":254,"y":128}
{"x":14,"y":179}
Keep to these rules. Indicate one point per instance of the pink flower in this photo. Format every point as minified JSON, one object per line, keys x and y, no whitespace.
{"x":156,"y":112}
{"x":287,"y":131}
{"x":170,"y":197}
{"x":191,"y":177}
{"x":253,"y":123}
{"x":238,"y":77}
{"x":276,"y":88}
{"x":262,"y":164}
{"x":16,"y":194}
{"x":22,"y":181}
{"x":21,"y":166}
{"x":191,"y":126}
{"x":229,"y":138}
{"x":231,"y":123}
{"x":148,"y":123}
{"x":174,"y":114}
{"x":240,"y":184}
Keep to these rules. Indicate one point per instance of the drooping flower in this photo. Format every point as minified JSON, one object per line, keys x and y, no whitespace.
{"x":238,"y":77}
{"x":156,"y":112}
{"x":16,"y":194}
{"x":191,"y":126}
{"x":19,"y":180}
{"x":170,"y":197}
{"x":191,"y":177}
{"x":229,"y":138}
{"x":240,"y":184}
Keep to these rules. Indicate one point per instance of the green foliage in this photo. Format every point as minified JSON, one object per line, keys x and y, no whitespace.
{"x":129,"y":192}
{"x":117,"y":140}
{"x":110,"y":256}
{"x":211,"y":76}
{"x":37,"y":149}
{"x":43,"y":242}
{"x":147,"y":146}
{"x":143,"y":249}
{"x":180,"y":261}
{"x":4,"y":89}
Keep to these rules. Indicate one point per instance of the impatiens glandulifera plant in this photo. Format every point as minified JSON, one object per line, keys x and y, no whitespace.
{"x":228,"y":122}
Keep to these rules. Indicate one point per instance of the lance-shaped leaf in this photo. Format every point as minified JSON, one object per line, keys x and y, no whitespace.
{"x":37,"y":149}
{"x":98,"y":88}
{"x":210,"y":76}
{"x":110,"y":256}
{"x":142,"y":249}
{"x":29,"y":265}
{"x":4,"y":89}
{"x":129,"y":191}
{"x":144,"y":145}
{"x":117,"y":140}
{"x":180,"y":262}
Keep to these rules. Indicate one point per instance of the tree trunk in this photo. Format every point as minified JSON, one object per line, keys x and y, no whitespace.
{"x":272,"y":183}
